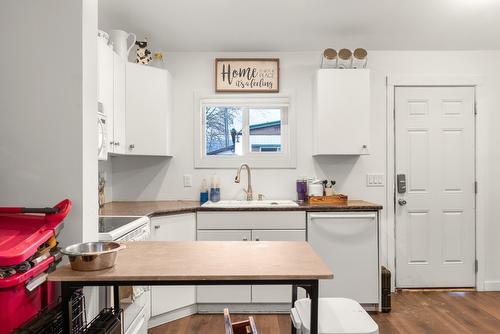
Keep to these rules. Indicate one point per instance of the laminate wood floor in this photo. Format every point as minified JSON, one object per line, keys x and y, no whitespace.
{"x":412,"y":313}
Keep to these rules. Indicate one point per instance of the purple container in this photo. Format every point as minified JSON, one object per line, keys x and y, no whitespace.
{"x":301,"y":190}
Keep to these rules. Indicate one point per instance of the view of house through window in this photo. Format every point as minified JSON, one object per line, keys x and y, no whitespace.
{"x":265,"y":130}
{"x":233,"y":130}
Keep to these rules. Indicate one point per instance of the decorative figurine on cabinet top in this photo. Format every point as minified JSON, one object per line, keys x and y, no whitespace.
{"x":143,"y":55}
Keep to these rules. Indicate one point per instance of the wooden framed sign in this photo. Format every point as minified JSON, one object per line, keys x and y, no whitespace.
{"x":250,"y":75}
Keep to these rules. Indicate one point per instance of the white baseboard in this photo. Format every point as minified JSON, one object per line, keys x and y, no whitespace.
{"x":491,"y":285}
{"x":173,"y":315}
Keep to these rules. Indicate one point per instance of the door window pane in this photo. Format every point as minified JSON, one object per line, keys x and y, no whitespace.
{"x":223,"y":133}
{"x":265,"y":130}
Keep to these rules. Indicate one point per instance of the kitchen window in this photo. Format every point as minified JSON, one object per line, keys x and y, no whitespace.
{"x":256,"y":130}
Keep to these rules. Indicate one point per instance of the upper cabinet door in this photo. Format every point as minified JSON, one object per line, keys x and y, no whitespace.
{"x":105,"y":91}
{"x":148,"y":107}
{"x":119,"y":104}
{"x":341,"y":116}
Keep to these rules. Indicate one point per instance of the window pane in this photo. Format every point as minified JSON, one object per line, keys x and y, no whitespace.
{"x":223,"y":130}
{"x":265,"y":130}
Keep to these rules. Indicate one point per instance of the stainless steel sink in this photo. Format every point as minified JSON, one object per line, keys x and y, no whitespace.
{"x":251,"y":204}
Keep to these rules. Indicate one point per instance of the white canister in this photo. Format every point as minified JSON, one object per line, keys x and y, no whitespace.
{"x":119,"y":40}
{"x":360,"y":58}
{"x":315,"y":189}
{"x":345,"y":58}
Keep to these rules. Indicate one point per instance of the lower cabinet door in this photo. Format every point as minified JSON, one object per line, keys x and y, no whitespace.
{"x":180,"y":227}
{"x":224,"y":293}
{"x":275,"y":293}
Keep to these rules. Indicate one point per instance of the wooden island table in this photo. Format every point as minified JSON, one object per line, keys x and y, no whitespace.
{"x":203,"y":263}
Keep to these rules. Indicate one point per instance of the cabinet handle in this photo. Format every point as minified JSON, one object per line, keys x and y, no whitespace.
{"x":111,"y":143}
{"x":157,"y":227}
{"x":117,"y":143}
{"x":257,"y":239}
{"x":245,"y":239}
{"x":131,"y":146}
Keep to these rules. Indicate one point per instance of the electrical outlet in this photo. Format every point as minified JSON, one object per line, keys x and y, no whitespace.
{"x":374,"y":180}
{"x":188,"y":181}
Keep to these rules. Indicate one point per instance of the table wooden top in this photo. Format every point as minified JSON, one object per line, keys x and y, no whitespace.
{"x":207,"y":260}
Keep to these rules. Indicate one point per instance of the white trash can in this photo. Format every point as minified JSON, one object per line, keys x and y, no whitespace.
{"x":336,"y":316}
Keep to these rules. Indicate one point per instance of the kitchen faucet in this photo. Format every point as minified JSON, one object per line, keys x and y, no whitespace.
{"x":249,"y":188}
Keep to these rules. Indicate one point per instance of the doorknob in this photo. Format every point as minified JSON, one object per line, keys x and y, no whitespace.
{"x":401,"y":202}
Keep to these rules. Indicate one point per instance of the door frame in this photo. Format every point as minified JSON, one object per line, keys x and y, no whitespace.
{"x":393,"y":81}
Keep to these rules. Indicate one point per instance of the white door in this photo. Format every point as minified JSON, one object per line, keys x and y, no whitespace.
{"x":275,"y":293}
{"x":182,"y":227}
{"x":224,"y":293}
{"x":435,"y":227}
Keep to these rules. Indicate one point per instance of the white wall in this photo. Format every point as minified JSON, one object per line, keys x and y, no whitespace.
{"x":148,"y":178}
{"x":48,"y":132}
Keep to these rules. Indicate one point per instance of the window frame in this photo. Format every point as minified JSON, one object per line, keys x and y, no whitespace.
{"x":286,"y":159}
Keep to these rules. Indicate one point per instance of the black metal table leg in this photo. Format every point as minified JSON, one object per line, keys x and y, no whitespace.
{"x":294,"y":299}
{"x":66,"y":306}
{"x":116,"y":297}
{"x":67,"y":292}
{"x":314,"y":295}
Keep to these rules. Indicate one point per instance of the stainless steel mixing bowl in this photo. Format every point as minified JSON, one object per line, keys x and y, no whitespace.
{"x":90,"y":256}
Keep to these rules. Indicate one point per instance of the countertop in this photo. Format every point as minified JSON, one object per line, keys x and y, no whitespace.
{"x":160,"y":208}
{"x":206,"y":260}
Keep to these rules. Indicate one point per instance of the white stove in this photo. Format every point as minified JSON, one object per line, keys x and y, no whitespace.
{"x":128,"y":228}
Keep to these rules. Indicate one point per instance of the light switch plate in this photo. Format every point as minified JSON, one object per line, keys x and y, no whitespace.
{"x":375,"y":180}
{"x":188,"y":181}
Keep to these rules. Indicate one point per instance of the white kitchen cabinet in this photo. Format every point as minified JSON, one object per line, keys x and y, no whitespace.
{"x":278,"y":235}
{"x":224,"y":235}
{"x":148,"y":108}
{"x":105,"y":77}
{"x":251,"y":220}
{"x":181,"y":227}
{"x":255,"y":226}
{"x":105,"y":66}
{"x":224,"y":293}
{"x":276,"y":293}
{"x":341,"y":112}
{"x":348,"y":243}
{"x":117,"y":140}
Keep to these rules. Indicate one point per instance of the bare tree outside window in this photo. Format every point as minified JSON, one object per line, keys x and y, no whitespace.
{"x":222,"y":129}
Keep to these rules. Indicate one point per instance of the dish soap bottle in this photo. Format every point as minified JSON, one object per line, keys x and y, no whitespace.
{"x":215,"y":189}
{"x":203,"y":192}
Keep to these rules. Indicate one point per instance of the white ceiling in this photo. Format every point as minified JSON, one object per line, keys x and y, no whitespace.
{"x":306,"y":25}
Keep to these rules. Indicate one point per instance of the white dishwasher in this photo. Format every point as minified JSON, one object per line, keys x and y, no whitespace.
{"x":348,"y":243}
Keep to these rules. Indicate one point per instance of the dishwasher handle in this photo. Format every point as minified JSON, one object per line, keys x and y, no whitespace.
{"x":355,"y":216}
